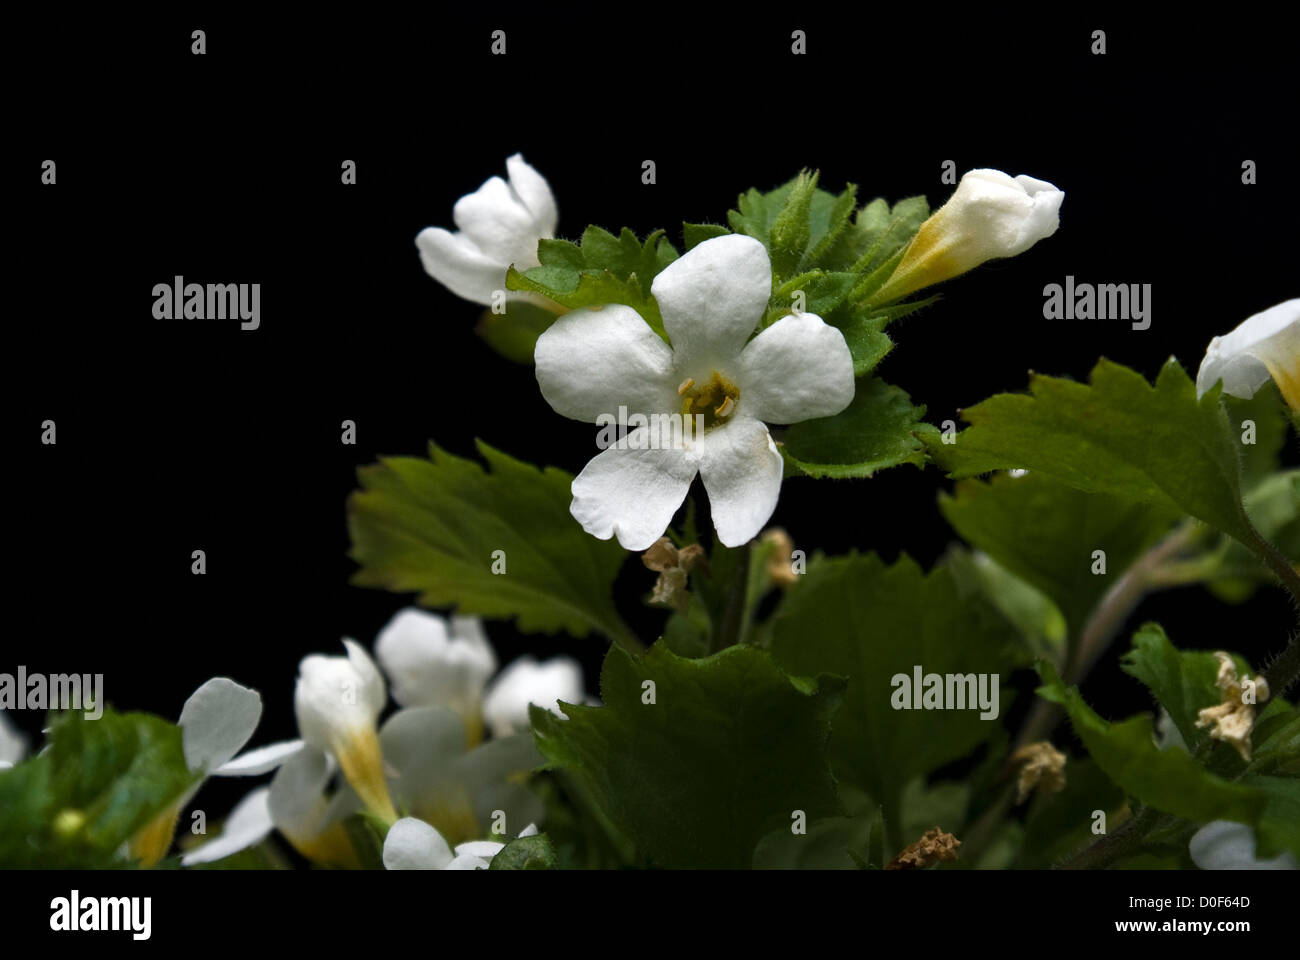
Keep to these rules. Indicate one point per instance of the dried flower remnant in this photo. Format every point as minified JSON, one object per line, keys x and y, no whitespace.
{"x":935,"y":846}
{"x":1232,"y":719}
{"x":1042,"y":767}
{"x":673,"y":567}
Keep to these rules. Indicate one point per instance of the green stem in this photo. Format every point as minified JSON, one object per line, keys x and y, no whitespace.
{"x":1284,"y":671}
{"x":731,"y":631}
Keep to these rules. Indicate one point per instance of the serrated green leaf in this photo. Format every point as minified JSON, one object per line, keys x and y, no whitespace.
{"x":587,"y":289}
{"x":1045,"y":532}
{"x":96,"y":785}
{"x":434,"y":525}
{"x":1183,"y":682}
{"x":1168,"y":780}
{"x":727,"y":751}
{"x":880,"y":232}
{"x":855,"y":617}
{"x":526,"y":853}
{"x":877,"y":430}
{"x":1117,"y":435}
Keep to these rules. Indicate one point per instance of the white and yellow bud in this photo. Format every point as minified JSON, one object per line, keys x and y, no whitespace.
{"x":1264,"y":346}
{"x":338,"y":701}
{"x":989,"y":215}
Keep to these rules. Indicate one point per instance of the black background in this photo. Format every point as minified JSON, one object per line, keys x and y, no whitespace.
{"x":181,"y":435}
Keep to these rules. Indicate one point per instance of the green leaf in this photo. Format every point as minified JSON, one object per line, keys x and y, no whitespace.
{"x":436,"y":525}
{"x":96,"y":784}
{"x":1273,"y":506}
{"x":1169,"y":780}
{"x":727,"y":751}
{"x":836,"y":843}
{"x":877,"y":430}
{"x":1039,"y":620}
{"x":514,"y":334}
{"x":1116,"y":436}
{"x":526,"y":853}
{"x":791,"y":231}
{"x":855,"y":617}
{"x":1276,"y":739}
{"x":1278,"y":829}
{"x":696,"y":233}
{"x":1184,"y":683}
{"x":603,"y":269}
{"x":879,"y":233}
{"x":1046,"y":531}
{"x":1267,"y":412}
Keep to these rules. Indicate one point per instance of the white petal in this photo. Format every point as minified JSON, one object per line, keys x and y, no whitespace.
{"x":262,"y":760}
{"x":479,"y":848}
{"x":528,"y":831}
{"x":589,"y":362}
{"x":216,"y":721}
{"x":797,"y":369}
{"x":412,"y":844}
{"x":454,"y":261}
{"x":711,"y":300}
{"x":631,"y":494}
{"x":421,"y":746}
{"x":13,"y":745}
{"x":500,"y":225}
{"x":297,"y":800}
{"x":535,"y":192}
{"x":248,"y":825}
{"x":993,"y":215}
{"x":467,"y":862}
{"x":1267,"y":344}
{"x":426,"y":666}
{"x":1223,"y":845}
{"x":524,"y":682}
{"x":336,"y":697}
{"x":741,"y":469}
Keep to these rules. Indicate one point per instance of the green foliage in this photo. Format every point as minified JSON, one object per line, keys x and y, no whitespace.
{"x":879,"y":429}
{"x":1182,"y":682}
{"x":96,"y":785}
{"x":1117,"y":435}
{"x":859,"y":618}
{"x":1045,"y":531}
{"x":434,"y":525}
{"x":728,"y":748}
{"x":526,"y":853}
{"x":601,"y":269}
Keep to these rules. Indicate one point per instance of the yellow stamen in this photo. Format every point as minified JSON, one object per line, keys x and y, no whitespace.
{"x":725,"y":409}
{"x":685,"y":385}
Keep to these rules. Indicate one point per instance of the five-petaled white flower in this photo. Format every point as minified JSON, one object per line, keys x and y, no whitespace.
{"x":1266,"y":345}
{"x":594,"y":360}
{"x":989,"y":215}
{"x":498,"y":225}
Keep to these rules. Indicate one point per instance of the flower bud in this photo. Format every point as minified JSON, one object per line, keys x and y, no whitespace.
{"x":989,"y":215}
{"x":1266,"y":345}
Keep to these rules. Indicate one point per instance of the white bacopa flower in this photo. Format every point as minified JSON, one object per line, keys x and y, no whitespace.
{"x":429,"y":661}
{"x":412,"y":844}
{"x":1266,"y":345}
{"x":989,"y":215}
{"x":248,"y":824}
{"x":496,"y":226}
{"x":338,"y":701}
{"x":526,"y":681}
{"x":594,"y":360}
{"x":1224,"y":845}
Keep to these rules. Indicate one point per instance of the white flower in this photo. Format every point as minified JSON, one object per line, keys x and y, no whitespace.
{"x":593,"y":360}
{"x":412,"y":844}
{"x":1266,"y":345}
{"x":427,"y":663}
{"x":498,"y":225}
{"x":989,"y":215}
{"x":1224,"y":845}
{"x":527,"y":682}
{"x":247,"y":825}
{"x":338,"y":701}
{"x":13,"y":745}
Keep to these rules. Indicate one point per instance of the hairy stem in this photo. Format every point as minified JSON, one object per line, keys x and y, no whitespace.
{"x":730,"y":631}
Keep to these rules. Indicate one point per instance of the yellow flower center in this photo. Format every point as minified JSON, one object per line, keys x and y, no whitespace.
{"x":715,"y":399}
